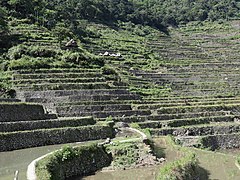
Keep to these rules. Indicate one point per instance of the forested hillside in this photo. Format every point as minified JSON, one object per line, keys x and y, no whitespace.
{"x":78,"y":69}
{"x":33,"y":32}
{"x":158,"y":13}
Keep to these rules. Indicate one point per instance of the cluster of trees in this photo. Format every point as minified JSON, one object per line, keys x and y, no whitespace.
{"x":156,"y":13}
{"x":3,"y":28}
{"x":3,"y":22}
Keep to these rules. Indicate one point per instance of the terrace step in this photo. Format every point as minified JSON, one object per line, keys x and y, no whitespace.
{"x":87,"y":99}
{"x":55,"y":75}
{"x":42,"y":137}
{"x":187,"y":103}
{"x":165,"y":117}
{"x":91,"y":108}
{"x":199,"y":130}
{"x":23,"y":112}
{"x":46,"y":124}
{"x":105,"y":102}
{"x":188,"y":121}
{"x":9,"y":100}
{"x":102,"y":114}
{"x":70,"y":70}
{"x":59,"y":93}
{"x":223,"y":141}
{"x":231,"y":108}
{"x":63,"y":86}
{"x":22,"y":82}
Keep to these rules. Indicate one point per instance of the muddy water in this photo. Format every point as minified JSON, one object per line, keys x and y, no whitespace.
{"x":19,"y":160}
{"x":147,"y":173}
{"x":144,"y":173}
{"x":219,"y":166}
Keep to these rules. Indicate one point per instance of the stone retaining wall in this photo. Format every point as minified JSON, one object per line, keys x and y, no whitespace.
{"x":197,"y":131}
{"x":42,"y":137}
{"x":9,"y":100}
{"x":42,"y":124}
{"x":57,"y":93}
{"x":224,"y":141}
{"x":21,"y":112}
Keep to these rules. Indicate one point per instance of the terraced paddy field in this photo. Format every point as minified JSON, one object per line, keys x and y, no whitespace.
{"x":185,"y":84}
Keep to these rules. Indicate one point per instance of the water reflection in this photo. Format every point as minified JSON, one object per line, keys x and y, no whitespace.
{"x":19,"y":160}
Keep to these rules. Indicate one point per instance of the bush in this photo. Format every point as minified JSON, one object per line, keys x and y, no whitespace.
{"x":6,"y":90}
{"x":16,"y":52}
{"x":185,"y":167}
{"x":74,"y":57}
{"x":238,"y":160}
{"x":72,"y":161}
{"x":27,"y":62}
{"x":38,"y":51}
{"x":124,"y":154}
{"x":107,"y":70}
{"x":82,"y":58}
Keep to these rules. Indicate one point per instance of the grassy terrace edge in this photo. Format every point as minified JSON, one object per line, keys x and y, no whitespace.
{"x":185,"y":167}
{"x":85,"y":159}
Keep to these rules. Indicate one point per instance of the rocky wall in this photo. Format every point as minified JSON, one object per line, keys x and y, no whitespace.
{"x":26,"y":139}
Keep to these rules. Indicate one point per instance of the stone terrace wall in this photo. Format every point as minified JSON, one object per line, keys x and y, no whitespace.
{"x":226,"y":141}
{"x":21,"y":112}
{"x":46,"y":124}
{"x":42,"y":137}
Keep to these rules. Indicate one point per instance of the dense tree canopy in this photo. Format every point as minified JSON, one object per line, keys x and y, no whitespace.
{"x":3,"y":22}
{"x":156,"y":13}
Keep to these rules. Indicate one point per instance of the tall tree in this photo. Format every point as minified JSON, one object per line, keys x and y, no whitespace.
{"x":3,"y":21}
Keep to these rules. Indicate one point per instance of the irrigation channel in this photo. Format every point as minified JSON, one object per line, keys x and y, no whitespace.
{"x":219,"y":165}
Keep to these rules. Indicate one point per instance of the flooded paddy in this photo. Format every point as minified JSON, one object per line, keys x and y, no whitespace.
{"x":148,"y":173}
{"x":19,"y":159}
{"x":219,"y":165}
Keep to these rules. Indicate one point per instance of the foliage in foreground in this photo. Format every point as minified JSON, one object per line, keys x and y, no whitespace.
{"x":72,"y":161}
{"x":186,"y":167}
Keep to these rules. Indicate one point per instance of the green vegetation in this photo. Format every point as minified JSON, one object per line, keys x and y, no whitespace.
{"x":3,"y":22}
{"x":169,"y":64}
{"x":36,"y":57}
{"x":186,"y":167}
{"x":58,"y":165}
{"x":238,"y":160}
{"x":5,"y":85}
{"x":124,"y":154}
{"x":154,"y":12}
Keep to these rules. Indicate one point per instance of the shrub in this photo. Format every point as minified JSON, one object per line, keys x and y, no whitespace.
{"x":27,"y":62}
{"x":238,"y":160}
{"x":107,"y":70}
{"x":185,"y":167}
{"x":38,"y":51}
{"x":73,"y":57}
{"x":16,"y":52}
{"x":72,"y":161}
{"x":82,"y":58}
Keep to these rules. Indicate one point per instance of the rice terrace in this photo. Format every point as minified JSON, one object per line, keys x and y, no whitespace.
{"x":119,"y":90}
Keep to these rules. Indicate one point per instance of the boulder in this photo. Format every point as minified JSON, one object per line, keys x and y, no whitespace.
{"x":71,"y":43}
